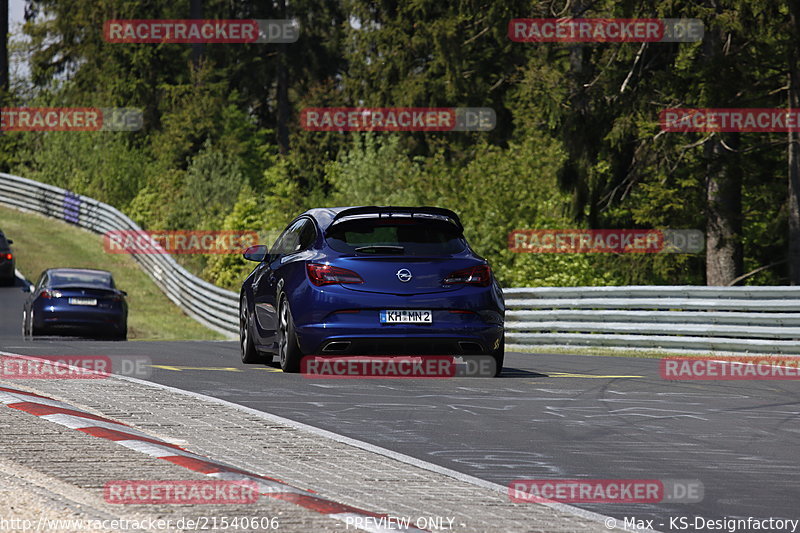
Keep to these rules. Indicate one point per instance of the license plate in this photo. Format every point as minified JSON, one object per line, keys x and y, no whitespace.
{"x":83,"y":301}
{"x":405,"y":316}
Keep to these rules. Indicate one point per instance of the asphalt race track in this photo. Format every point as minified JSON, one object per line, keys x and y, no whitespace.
{"x":548,"y":416}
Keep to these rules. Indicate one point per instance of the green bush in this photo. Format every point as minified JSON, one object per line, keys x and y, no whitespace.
{"x":107,"y":166}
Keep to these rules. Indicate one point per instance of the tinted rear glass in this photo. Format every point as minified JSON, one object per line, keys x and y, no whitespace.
{"x":90,"y":279}
{"x":404,"y":237}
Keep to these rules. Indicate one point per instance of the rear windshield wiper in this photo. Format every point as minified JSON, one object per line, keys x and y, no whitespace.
{"x":379,"y":248}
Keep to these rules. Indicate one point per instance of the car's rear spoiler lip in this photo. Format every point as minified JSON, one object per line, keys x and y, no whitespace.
{"x":382,"y":211}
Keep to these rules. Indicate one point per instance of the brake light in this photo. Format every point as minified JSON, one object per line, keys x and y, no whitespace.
{"x":326,"y":275}
{"x":9,"y":257}
{"x":50,"y":294}
{"x":480,"y":276}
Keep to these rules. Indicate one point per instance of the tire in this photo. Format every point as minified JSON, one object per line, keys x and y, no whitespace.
{"x":248,"y":350}
{"x":499,"y":356}
{"x":32,"y":330}
{"x":123,"y":335}
{"x":289,"y":353}
{"x":25,"y":334}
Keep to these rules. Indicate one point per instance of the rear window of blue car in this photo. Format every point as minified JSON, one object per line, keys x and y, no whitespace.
{"x":86,"y":279}
{"x":376,"y":236}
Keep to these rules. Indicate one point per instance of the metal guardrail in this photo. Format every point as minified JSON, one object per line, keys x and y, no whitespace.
{"x":210,"y":305}
{"x":676,"y":318}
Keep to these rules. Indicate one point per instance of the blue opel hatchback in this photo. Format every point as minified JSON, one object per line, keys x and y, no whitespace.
{"x":370,"y":281}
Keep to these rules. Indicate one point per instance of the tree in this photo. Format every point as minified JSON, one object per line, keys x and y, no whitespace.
{"x":4,"y":71}
{"x":437,"y":54}
{"x":793,"y":145}
{"x":4,"y":79}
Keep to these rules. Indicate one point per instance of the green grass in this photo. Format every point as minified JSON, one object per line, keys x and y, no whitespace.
{"x":642,"y":353}
{"x":589,"y":350}
{"x":41,"y":243}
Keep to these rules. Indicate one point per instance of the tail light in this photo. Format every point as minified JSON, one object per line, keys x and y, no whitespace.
{"x":9,"y":257}
{"x":117,"y":298}
{"x":327,"y":275}
{"x":49,"y":294}
{"x":480,"y":276}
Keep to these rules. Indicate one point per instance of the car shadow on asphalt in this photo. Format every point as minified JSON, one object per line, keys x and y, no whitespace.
{"x":520,"y":373}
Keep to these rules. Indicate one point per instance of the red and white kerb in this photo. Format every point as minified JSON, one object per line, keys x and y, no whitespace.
{"x":105,"y":428}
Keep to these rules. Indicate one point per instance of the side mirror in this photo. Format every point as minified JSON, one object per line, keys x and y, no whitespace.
{"x":256,"y":253}
{"x":123,"y":293}
{"x":9,"y":241}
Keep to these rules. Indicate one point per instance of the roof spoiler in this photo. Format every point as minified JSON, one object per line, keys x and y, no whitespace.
{"x":389,"y":211}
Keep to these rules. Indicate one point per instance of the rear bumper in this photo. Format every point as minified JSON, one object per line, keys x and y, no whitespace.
{"x":341,"y":321}
{"x":56,"y":319}
{"x":419,"y":344}
{"x":7,"y":270}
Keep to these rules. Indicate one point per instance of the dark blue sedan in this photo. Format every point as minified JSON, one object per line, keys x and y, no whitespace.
{"x":370,"y":281}
{"x":76,"y":301}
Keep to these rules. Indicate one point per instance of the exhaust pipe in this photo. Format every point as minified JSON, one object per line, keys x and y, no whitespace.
{"x":470,"y":347}
{"x":336,"y":346}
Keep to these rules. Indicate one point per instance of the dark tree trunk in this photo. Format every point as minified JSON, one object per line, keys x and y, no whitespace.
{"x":724,"y":211}
{"x":196,"y":13}
{"x":4,"y":70}
{"x":724,"y":258}
{"x":4,"y":81}
{"x":793,"y":149}
{"x":574,"y":174}
{"x":282,"y":90}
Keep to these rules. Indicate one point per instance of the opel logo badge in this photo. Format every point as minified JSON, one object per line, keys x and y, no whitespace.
{"x":404,"y":275}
